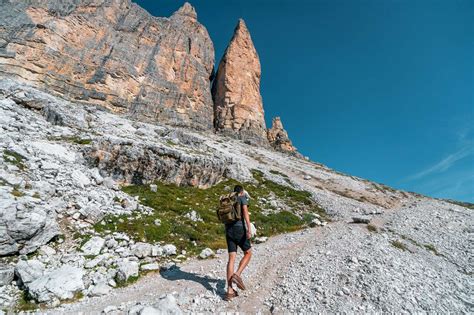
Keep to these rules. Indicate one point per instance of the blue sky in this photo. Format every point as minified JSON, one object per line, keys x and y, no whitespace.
{"x":381,"y":89}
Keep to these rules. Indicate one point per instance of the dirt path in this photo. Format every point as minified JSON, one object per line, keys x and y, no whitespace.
{"x":200,"y":284}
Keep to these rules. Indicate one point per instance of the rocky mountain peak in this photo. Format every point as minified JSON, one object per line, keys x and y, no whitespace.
{"x":113,"y":54}
{"x":186,"y":10}
{"x":238,"y":106}
{"x":278,"y":137}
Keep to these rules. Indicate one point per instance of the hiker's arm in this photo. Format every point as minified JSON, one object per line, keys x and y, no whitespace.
{"x":245,"y":211}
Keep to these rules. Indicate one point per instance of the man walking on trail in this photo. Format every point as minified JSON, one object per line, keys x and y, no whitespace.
{"x":237,"y":235}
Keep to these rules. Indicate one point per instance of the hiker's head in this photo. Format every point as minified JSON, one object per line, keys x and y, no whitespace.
{"x":238,"y":189}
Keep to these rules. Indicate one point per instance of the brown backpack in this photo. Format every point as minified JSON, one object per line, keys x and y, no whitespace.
{"x":229,"y":208}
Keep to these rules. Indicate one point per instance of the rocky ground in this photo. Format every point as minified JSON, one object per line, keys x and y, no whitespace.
{"x":61,"y":168}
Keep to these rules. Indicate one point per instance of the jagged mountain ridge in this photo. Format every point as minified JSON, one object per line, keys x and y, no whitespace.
{"x":115,"y":54}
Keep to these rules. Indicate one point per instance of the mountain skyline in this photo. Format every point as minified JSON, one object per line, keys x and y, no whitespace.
{"x":380,"y":90}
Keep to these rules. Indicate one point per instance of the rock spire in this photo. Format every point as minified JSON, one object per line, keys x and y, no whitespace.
{"x":238,"y":107}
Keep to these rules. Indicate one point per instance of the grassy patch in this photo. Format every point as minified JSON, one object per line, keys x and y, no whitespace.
{"x":73,"y":139}
{"x":77,"y":296}
{"x":278,"y":173}
{"x":14,"y":158}
{"x":16,"y":192}
{"x":24,"y":304}
{"x":172,"y":202}
{"x":461,"y":203}
{"x":129,"y":281}
{"x":84,"y":238}
{"x":399,"y":245}
{"x":431,"y":248}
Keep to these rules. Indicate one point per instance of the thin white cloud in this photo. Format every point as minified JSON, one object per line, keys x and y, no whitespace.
{"x":445,"y":163}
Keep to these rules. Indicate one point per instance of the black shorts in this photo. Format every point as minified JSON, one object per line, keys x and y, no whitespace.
{"x":235,"y":236}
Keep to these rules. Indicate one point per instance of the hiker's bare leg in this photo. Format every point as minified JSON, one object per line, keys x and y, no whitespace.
{"x":230,"y":271}
{"x":244,"y":261}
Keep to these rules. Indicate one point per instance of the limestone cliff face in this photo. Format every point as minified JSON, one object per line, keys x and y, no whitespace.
{"x":112,"y":53}
{"x":278,"y":137}
{"x":238,"y":108}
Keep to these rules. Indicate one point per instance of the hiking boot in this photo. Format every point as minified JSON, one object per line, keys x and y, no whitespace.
{"x":238,"y":281}
{"x":229,"y":296}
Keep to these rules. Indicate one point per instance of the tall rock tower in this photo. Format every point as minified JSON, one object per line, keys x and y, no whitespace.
{"x":238,"y":108}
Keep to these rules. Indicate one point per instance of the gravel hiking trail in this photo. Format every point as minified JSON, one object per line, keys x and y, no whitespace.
{"x":201,"y":283}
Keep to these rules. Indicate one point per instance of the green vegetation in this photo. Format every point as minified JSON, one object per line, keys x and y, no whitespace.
{"x":83,"y":237}
{"x":172,"y":202}
{"x":16,"y":192}
{"x":14,"y":158}
{"x":129,"y":281}
{"x":278,"y":173}
{"x":77,"y":296}
{"x":72,"y":139}
{"x":24,"y":303}
{"x":372,"y":228}
{"x":431,"y":248}
{"x":36,"y":195}
{"x":399,"y":245}
{"x":461,"y":203}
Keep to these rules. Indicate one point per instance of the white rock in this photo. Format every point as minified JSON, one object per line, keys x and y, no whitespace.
{"x":29,"y":270}
{"x":93,"y":246}
{"x":80,"y":179}
{"x":150,"y":267}
{"x":153,"y":188}
{"x":96,"y":176}
{"x":261,"y":239}
{"x":111,"y":243}
{"x":141,"y":250}
{"x":167,"y":305}
{"x":6,"y":274}
{"x":148,"y":310}
{"x":60,"y":283}
{"x":205,"y":253}
{"x":127,"y":269}
{"x":193,"y":216}
{"x":54,"y":150}
{"x":99,"y":289}
{"x":110,"y":183}
{"x":157,"y":222}
{"x":169,"y":249}
{"x":307,"y":177}
{"x":156,"y":251}
{"x":46,"y":250}
{"x":109,"y":309}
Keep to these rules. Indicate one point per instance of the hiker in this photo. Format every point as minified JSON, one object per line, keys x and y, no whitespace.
{"x":233,"y":211}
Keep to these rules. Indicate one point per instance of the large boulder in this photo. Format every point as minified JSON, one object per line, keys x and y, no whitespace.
{"x":28,"y":271}
{"x":93,"y":246}
{"x":166,"y":305}
{"x":62,"y":283}
{"x":169,"y":249}
{"x":25,"y":226}
{"x":113,"y":54}
{"x":127,"y":269}
{"x":141,"y":250}
{"x":6,"y":274}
